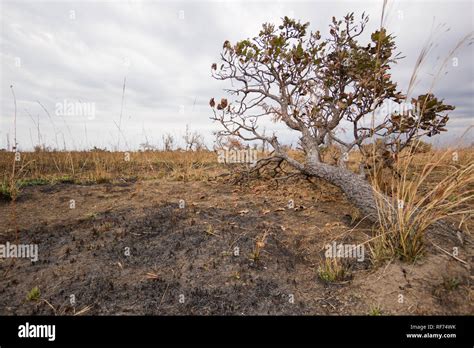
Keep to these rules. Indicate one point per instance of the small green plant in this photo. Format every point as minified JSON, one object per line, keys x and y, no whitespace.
{"x":332,"y":270}
{"x":5,"y":192}
{"x":32,"y":182}
{"x":66,"y":179}
{"x":375,"y":311}
{"x":451,"y":284}
{"x":34,"y":294}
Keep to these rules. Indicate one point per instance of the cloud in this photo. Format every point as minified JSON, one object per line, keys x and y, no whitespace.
{"x":57,"y":52}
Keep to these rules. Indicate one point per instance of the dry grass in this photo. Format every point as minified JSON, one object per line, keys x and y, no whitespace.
{"x":429,"y":187}
{"x":332,"y":270}
{"x":98,"y":167}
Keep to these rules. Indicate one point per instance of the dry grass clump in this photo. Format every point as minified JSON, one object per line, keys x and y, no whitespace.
{"x":333,"y":269}
{"x":428,"y":188}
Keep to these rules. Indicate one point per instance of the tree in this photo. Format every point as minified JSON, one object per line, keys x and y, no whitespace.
{"x":168,"y":142}
{"x":193,"y":140}
{"x":316,"y":85}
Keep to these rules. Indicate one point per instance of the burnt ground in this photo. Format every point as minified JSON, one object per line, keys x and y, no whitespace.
{"x":182,"y":260}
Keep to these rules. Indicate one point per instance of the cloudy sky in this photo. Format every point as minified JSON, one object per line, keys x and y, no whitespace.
{"x":67,"y":61}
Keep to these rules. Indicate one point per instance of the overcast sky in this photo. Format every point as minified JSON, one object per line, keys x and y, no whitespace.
{"x":64,"y":53}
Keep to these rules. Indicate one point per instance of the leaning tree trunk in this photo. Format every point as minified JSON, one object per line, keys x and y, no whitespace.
{"x":361,"y":194}
{"x":358,"y":191}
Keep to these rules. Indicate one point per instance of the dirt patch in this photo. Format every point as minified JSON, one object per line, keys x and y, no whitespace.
{"x":159,"y":247}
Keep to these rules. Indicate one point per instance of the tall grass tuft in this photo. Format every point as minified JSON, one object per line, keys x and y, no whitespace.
{"x":420,"y":196}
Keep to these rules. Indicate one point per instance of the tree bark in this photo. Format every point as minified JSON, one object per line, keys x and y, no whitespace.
{"x":358,"y":191}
